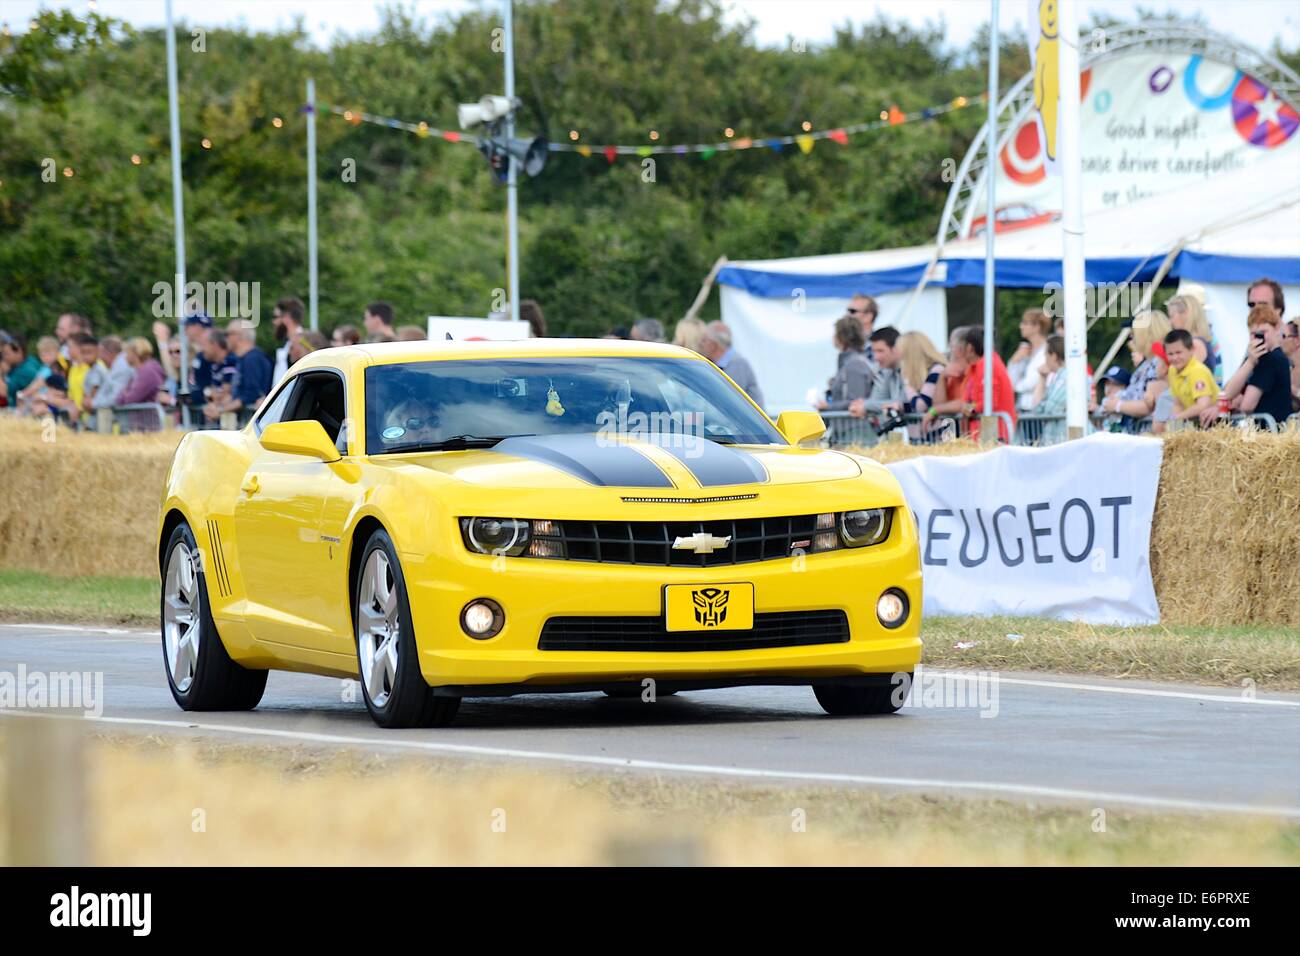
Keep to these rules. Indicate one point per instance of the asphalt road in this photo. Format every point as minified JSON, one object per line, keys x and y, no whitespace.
{"x":1087,"y":740}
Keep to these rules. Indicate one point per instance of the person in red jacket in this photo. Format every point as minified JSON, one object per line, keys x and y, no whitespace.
{"x":970,"y":351}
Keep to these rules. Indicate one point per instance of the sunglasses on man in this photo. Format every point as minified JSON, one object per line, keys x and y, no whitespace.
{"x":1260,"y":302}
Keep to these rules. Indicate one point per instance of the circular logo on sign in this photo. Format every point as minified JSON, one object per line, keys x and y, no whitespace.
{"x":393,"y":432}
{"x":1260,"y":117}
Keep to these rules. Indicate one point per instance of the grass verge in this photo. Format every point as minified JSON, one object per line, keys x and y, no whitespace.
{"x":30,"y":596}
{"x":1222,"y":656}
{"x":156,"y":801}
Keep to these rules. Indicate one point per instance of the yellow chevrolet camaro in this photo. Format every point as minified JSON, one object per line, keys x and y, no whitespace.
{"x":475,"y":519}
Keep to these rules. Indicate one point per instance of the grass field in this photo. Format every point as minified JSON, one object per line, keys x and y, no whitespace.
{"x":155,"y":801}
{"x":1223,"y":655}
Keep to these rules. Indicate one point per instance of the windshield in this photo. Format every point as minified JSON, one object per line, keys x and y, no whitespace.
{"x":414,"y":405}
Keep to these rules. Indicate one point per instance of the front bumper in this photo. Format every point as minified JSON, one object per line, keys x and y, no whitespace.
{"x":532,"y":590}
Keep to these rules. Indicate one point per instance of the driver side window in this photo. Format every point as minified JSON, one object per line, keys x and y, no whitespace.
{"x":274,"y":412}
{"x":319,"y":397}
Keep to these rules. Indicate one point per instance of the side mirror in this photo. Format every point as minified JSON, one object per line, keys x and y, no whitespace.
{"x":300,"y":438}
{"x":799,"y":427}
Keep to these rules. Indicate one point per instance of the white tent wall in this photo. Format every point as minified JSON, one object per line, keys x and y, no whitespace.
{"x":791,"y":349}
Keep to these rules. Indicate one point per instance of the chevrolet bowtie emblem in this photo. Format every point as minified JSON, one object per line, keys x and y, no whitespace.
{"x":701,"y":543}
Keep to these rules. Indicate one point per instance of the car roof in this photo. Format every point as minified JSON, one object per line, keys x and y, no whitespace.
{"x":388,"y":353}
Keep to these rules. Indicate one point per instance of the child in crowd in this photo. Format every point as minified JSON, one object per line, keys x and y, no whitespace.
{"x":1113,"y":383}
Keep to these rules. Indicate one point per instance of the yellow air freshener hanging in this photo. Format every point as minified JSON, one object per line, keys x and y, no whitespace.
{"x":553,"y":406}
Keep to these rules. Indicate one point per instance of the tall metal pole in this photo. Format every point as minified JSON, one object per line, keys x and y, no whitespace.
{"x":311,"y":201}
{"x":178,"y":217}
{"x":988,"y":427}
{"x":512,"y":170}
{"x":1070,"y":154}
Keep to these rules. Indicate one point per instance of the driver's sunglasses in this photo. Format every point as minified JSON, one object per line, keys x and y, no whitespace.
{"x":859,"y":311}
{"x":1260,"y":302}
{"x":413,"y":424}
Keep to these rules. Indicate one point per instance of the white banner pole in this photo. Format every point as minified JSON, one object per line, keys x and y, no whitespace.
{"x":1070,"y":155}
{"x":178,"y":222}
{"x":311,"y":203}
{"x":990,"y":229}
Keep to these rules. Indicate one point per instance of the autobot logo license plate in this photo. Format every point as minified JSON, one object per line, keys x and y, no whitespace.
{"x":710,"y":606}
{"x":725,"y":606}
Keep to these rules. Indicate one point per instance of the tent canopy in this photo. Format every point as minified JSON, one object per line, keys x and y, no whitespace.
{"x":1232,"y":228}
{"x":1225,"y":232}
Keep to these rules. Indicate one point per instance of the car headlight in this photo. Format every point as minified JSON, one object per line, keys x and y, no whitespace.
{"x":508,"y":536}
{"x":861,"y":528}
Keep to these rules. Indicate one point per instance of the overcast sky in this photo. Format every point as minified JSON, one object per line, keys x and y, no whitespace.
{"x":1258,"y":22}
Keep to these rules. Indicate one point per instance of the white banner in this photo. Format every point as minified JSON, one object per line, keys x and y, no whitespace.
{"x":1152,"y":122}
{"x":1060,"y":532}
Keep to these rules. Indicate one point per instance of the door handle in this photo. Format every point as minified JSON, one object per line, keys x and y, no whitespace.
{"x":250,"y":485}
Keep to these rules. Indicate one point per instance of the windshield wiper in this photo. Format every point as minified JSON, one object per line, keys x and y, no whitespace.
{"x":454,"y":443}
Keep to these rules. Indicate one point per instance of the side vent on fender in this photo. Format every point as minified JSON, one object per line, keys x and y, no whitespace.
{"x":219,"y":572}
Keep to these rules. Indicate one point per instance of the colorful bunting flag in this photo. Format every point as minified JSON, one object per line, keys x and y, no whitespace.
{"x":805,"y":141}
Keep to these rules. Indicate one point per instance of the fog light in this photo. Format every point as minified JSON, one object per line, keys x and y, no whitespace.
{"x":482,"y":618}
{"x":892,"y":608}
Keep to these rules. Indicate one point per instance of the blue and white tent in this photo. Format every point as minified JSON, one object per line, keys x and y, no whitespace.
{"x":1220,"y":234}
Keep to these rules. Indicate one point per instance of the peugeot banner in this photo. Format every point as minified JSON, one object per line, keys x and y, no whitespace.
{"x":1061,"y":532}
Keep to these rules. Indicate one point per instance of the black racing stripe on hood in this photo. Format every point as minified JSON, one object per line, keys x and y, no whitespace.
{"x":712,"y":464}
{"x":596,"y":460}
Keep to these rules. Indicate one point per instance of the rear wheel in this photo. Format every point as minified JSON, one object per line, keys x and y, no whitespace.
{"x":852,"y":700}
{"x":391,"y":683}
{"x":200,"y":673}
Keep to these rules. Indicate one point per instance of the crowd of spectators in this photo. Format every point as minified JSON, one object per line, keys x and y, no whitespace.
{"x":882,"y":376}
{"x":1177,"y":376}
{"x":73,"y":375}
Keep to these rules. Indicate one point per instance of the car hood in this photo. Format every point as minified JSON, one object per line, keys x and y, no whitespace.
{"x":676,"y":462}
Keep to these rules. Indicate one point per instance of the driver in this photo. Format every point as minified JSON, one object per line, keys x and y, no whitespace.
{"x":413,"y":419}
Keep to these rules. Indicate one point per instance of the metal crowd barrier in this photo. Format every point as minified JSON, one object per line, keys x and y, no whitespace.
{"x":844,"y":430}
{"x":125,"y":419}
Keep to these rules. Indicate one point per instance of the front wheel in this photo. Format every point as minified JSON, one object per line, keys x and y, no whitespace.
{"x":201,"y":674}
{"x":852,"y":700}
{"x":391,"y":683}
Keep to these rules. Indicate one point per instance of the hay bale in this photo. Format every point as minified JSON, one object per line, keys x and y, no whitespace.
{"x":892,"y":451}
{"x":80,"y":504}
{"x":1225,"y":541}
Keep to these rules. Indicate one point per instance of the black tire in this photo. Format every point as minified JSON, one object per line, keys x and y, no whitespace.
{"x":851,"y":700}
{"x":408,"y":700}
{"x":215,"y":682}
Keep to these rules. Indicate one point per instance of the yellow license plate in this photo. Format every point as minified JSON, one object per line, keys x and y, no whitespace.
{"x":709,"y":607}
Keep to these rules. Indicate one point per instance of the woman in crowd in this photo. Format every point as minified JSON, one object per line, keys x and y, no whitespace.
{"x":345,"y":335}
{"x":853,"y":380}
{"x":1186,"y":312}
{"x":1025,"y":364}
{"x":149,"y":376}
{"x":923,"y":366}
{"x":1049,"y":396}
{"x":1146,"y":346}
{"x":688,"y":333}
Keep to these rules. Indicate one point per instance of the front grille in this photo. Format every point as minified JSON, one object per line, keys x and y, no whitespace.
{"x":777,"y":629}
{"x":651,"y":542}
